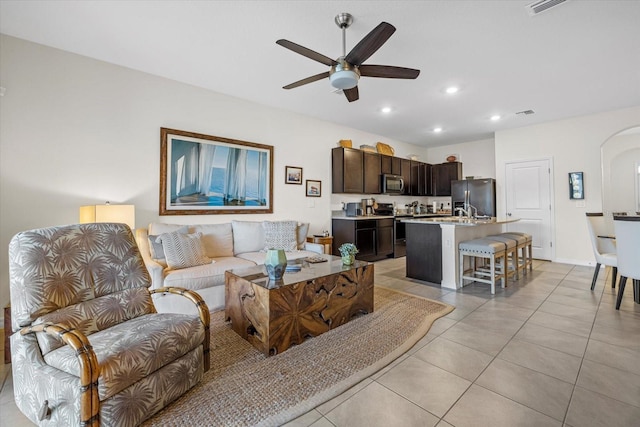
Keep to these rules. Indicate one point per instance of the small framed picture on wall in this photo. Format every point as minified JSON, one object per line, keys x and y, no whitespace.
{"x":292,"y":175}
{"x":576,"y":185}
{"x":314,"y":188}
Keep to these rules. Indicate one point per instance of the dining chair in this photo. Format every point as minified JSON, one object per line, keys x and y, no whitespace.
{"x":604,"y":248}
{"x":627,"y":237}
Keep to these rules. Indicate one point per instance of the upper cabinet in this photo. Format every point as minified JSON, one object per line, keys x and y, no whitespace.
{"x":356,"y":171}
{"x":372,"y":171}
{"x":420,"y":179}
{"x":347,"y":170}
{"x":390,"y":165}
{"x":441,"y":176}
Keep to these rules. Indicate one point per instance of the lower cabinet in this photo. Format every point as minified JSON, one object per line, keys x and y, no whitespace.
{"x":373,"y":237}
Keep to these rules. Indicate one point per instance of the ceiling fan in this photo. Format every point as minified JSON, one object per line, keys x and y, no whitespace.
{"x":347,"y":69}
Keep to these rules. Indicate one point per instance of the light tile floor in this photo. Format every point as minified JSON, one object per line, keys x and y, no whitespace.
{"x":545,"y":351}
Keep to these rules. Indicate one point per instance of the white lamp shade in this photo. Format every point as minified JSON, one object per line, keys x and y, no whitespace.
{"x":125,"y":214}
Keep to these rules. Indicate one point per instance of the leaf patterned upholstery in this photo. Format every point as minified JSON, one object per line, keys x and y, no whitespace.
{"x":91,"y":279}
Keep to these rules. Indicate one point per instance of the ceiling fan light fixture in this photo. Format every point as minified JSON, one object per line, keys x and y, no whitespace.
{"x":344,"y":79}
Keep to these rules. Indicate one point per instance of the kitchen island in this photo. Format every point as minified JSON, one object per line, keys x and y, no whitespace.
{"x":432,"y":246}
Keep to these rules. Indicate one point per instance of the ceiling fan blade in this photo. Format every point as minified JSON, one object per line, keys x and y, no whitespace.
{"x":370,"y":44}
{"x":352,"y":94}
{"x":388,"y":71}
{"x":307,"y":80}
{"x":306,"y":52}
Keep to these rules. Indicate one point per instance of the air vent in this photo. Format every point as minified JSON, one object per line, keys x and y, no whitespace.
{"x":526,"y":112}
{"x":542,"y":5}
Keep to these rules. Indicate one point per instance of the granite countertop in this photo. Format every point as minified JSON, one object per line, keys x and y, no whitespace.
{"x":360,"y":217}
{"x":458,"y":221}
{"x":401,"y":216}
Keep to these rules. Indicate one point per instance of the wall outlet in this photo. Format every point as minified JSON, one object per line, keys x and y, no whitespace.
{"x":581,"y":204}
{"x":311,"y":203}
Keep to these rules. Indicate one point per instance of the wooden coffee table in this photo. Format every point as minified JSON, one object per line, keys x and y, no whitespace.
{"x":273,"y":316}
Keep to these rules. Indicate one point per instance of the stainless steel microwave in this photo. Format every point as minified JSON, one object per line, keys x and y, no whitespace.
{"x":392,"y":184}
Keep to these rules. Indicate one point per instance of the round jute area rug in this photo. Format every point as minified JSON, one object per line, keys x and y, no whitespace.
{"x":246,"y":388}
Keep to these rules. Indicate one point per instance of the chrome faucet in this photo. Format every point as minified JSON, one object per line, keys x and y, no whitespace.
{"x":468,"y":212}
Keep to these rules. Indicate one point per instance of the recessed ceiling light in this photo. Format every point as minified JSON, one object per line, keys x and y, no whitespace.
{"x":495,"y":117}
{"x":452,"y":89}
{"x":437,"y":130}
{"x":385,"y":110}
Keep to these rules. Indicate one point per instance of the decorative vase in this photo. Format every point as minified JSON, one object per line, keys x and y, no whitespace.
{"x":348,"y":259}
{"x":276,"y":263}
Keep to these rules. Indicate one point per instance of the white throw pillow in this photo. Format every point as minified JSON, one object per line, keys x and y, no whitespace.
{"x":280,"y":235}
{"x":248,"y":236}
{"x":303,"y":229}
{"x":217,"y":239}
{"x":183,"y":250}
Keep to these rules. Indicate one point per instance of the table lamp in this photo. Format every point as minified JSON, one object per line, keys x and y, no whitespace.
{"x":125,"y":214}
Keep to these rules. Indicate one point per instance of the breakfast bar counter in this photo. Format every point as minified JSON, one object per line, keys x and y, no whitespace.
{"x":432,"y":245}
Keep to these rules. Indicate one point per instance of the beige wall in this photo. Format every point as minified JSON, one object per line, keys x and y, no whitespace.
{"x":477,"y":157}
{"x":574,"y":145}
{"x":76,"y":131}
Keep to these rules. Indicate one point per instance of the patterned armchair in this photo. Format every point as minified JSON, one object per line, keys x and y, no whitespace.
{"x":88,"y":346}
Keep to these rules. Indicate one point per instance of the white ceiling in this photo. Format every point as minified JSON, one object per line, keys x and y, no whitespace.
{"x":578,"y":58}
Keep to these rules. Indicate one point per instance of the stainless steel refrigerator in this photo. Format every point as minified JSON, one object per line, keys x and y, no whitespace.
{"x":479,"y":193}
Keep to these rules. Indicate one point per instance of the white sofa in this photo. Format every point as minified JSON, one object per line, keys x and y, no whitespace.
{"x":229,"y":245}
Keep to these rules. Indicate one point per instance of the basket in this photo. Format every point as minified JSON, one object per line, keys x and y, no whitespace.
{"x":385,"y":149}
{"x":346,"y":143}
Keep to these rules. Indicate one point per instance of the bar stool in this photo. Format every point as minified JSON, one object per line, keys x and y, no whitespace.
{"x":492,"y":250}
{"x":528,"y":257}
{"x":511,"y":244}
{"x":521,"y":252}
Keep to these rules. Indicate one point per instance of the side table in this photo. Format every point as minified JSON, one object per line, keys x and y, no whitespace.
{"x":327,"y":242}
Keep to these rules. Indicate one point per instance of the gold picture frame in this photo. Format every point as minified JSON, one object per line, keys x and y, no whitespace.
{"x":208,"y":175}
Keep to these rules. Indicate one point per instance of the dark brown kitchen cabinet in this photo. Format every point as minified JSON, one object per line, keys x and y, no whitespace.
{"x":371,"y":162}
{"x":373,"y":237}
{"x":385,"y":239}
{"x":420,"y":178}
{"x":405,"y":168}
{"x":441,"y":176}
{"x":347,"y":166}
{"x":390,"y":165}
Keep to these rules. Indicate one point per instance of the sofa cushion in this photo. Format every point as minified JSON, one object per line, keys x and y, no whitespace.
{"x":280,"y":235}
{"x":155,"y":244}
{"x":183,"y":250}
{"x":130,"y":351}
{"x":248,"y":236}
{"x":303,"y":230}
{"x":217,"y":239}
{"x":205,"y":276}
{"x":158,"y":228}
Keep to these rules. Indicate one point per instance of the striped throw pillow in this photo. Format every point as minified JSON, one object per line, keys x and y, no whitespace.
{"x":183,"y":250}
{"x":280,"y":235}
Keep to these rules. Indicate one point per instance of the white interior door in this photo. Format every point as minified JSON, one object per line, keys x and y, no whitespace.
{"x":528,"y":197}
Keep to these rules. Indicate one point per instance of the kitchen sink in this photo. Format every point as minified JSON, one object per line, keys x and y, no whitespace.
{"x":464,"y":220}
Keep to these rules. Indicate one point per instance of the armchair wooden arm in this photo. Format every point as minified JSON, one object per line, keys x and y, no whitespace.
{"x":205,"y":316}
{"x":89,"y":368}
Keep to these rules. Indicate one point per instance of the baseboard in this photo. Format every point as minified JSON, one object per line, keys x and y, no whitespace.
{"x":580,"y":262}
